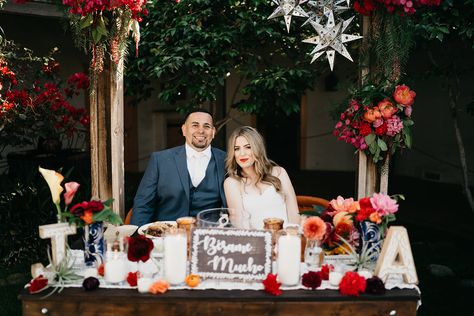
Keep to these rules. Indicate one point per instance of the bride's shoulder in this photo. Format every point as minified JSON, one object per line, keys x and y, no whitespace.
{"x":278,"y":171}
{"x":229,"y":181}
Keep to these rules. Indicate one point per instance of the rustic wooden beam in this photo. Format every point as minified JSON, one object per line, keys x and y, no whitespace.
{"x":116,"y":135}
{"x":370,"y":179}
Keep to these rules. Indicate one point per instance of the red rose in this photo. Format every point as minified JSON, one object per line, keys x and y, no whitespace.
{"x":325,"y":269}
{"x":381,"y":130}
{"x":271,"y":285}
{"x":352,"y":284}
{"x":139,"y":248}
{"x":366,"y":209}
{"x":37,"y":284}
{"x":365,"y":129}
{"x":312,"y":280}
{"x":91,"y":206}
{"x":132,"y":278}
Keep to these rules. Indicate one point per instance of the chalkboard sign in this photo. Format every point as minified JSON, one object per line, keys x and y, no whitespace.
{"x":231,"y":253}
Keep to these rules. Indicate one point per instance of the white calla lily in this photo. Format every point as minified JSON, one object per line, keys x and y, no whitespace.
{"x":54,"y":180}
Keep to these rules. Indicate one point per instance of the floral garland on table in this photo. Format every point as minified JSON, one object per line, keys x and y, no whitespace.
{"x":103,"y":26}
{"x":377,"y":120}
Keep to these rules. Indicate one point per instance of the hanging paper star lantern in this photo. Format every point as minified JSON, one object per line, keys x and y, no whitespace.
{"x":331,"y":39}
{"x":321,"y":10}
{"x":287,"y":9}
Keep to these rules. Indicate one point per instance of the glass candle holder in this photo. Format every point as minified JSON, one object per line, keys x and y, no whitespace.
{"x":288,"y":255}
{"x":115,"y":269}
{"x":187,"y":223}
{"x":175,"y":255}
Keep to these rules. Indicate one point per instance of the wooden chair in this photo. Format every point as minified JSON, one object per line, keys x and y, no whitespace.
{"x":307,"y":202}
{"x":128,"y":218}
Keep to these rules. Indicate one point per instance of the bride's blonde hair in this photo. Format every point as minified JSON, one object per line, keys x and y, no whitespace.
{"x":263,"y":166}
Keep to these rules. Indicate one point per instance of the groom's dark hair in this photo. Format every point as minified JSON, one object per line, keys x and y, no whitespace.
{"x":196,"y":111}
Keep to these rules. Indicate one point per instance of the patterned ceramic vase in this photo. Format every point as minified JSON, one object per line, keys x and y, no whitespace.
{"x":94,"y":244}
{"x":371,"y":237}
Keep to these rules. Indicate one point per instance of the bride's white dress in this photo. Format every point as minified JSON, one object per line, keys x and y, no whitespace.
{"x":266,"y":205}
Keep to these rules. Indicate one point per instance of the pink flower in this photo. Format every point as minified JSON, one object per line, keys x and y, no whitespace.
{"x":408,"y":110}
{"x":404,"y":96}
{"x":383,"y":204}
{"x":71,"y":189}
{"x":314,"y":228}
{"x":394,"y":125}
{"x":344,"y":205}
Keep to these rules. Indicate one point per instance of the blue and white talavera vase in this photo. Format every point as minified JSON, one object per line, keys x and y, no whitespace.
{"x":94,"y":244}
{"x":371,"y":238}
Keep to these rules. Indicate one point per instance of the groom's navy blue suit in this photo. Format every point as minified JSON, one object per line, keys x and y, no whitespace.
{"x":166,"y":191}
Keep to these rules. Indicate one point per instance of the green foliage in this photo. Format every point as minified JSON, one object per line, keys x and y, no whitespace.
{"x":453,"y":19}
{"x":391,"y":40}
{"x":192,"y":47}
{"x":24,"y":207}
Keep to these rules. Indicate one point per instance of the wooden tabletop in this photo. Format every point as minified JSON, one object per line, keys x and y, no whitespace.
{"x":114,"y":302}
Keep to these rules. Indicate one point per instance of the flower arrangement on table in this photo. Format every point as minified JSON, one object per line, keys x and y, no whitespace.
{"x":103,"y":26}
{"x":35,"y":103}
{"x":348,"y":221}
{"x":83,"y":213}
{"x":400,"y":7}
{"x":377,"y":120}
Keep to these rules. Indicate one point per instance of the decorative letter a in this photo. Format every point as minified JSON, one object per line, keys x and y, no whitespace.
{"x":396,"y":256}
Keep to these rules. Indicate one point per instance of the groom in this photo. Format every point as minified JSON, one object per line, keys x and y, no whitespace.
{"x":183,"y":180}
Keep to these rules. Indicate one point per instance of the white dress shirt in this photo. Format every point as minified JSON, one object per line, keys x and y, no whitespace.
{"x":197,"y":162}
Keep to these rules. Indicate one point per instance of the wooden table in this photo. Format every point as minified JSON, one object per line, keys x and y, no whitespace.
{"x":113,"y":302}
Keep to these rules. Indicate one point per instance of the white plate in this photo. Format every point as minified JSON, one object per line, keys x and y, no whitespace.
{"x":157,"y":241}
{"x":143,"y":228}
{"x":124,"y":231}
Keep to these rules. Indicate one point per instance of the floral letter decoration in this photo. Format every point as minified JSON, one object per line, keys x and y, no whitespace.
{"x":377,"y":120}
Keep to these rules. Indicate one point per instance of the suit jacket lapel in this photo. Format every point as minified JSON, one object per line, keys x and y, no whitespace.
{"x":182,"y":166}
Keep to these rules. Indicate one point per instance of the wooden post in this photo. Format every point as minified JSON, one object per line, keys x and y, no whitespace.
{"x":116,"y":128}
{"x":106,"y":113}
{"x":370,"y":179}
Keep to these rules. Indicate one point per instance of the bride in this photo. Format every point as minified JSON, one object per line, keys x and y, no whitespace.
{"x":256,"y":185}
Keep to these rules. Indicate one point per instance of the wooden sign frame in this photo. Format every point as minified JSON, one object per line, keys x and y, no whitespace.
{"x":220,"y":253}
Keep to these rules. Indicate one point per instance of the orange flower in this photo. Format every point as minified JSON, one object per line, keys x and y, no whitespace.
{"x":404,"y":96}
{"x":375,"y":218}
{"x":371,"y":115}
{"x":387,"y":109}
{"x":87,"y":217}
{"x":160,"y":286}
{"x":314,"y":228}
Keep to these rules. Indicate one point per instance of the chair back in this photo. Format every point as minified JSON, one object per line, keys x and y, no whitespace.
{"x":128,"y":218}
{"x":307,"y":202}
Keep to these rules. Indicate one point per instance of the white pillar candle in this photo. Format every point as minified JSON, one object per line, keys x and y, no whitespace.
{"x":175,"y":256}
{"x":335,"y":278}
{"x":288,"y":261}
{"x":115,"y":268}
